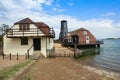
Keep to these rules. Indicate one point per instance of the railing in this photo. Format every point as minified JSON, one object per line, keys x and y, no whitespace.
{"x":29,"y":50}
{"x":82,"y":43}
{"x":30,"y":32}
{"x":51,"y":52}
{"x":99,"y":42}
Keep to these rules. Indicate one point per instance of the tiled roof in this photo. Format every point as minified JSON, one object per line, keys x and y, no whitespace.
{"x":26,"y":21}
{"x":42,"y":26}
{"x":75,"y":32}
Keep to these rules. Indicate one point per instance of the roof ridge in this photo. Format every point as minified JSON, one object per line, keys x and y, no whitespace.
{"x":25,"y":20}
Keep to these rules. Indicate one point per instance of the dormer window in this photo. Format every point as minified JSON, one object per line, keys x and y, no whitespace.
{"x":24,"y":27}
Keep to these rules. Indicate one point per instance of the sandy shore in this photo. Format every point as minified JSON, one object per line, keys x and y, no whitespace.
{"x":65,"y":68}
{"x":109,"y":74}
{"x":61,"y":69}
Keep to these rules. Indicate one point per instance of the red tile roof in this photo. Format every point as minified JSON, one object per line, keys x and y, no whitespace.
{"x":42,"y":26}
{"x":75,"y":32}
{"x":26,"y":21}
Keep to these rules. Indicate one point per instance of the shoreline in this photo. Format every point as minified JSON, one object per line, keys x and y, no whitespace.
{"x":97,"y":69}
{"x":102,"y":72}
{"x":64,"y":68}
{"x":86,"y":60}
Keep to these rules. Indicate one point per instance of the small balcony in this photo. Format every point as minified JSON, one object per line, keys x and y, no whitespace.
{"x":13,"y":33}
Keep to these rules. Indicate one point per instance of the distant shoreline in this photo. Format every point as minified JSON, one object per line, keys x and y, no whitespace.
{"x":111,"y":38}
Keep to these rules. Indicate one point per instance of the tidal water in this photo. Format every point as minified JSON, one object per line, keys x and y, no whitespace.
{"x":107,"y":57}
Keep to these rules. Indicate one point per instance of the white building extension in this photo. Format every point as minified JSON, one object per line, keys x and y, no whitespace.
{"x":30,"y":37}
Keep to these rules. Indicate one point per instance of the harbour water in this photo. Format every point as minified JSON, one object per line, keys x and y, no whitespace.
{"x":108,"y":56}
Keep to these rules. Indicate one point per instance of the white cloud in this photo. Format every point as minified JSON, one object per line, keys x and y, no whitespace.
{"x":100,"y":28}
{"x":33,"y":9}
{"x":70,"y":3}
{"x":58,"y":9}
{"x":109,"y":14}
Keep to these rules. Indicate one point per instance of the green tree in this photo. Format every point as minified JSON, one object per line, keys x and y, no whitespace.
{"x":3,"y":28}
{"x":2,"y":32}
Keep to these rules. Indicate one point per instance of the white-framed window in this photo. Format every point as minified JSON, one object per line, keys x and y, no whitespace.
{"x":84,"y":32}
{"x":24,"y":27}
{"x":70,"y":40}
{"x":87,"y":37}
{"x":24,"y":41}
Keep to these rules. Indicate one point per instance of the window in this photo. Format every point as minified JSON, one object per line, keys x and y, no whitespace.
{"x":85,"y":32}
{"x":24,"y":27}
{"x":87,"y":37}
{"x":70,"y":40}
{"x":24,"y":41}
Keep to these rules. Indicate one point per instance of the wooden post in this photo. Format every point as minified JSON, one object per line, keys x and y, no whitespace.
{"x":60,"y":54}
{"x":10,"y":56}
{"x":28,"y":54}
{"x":37,"y":31}
{"x":17,"y":56}
{"x":64,"y":53}
{"x":25,"y":55}
{"x":75,"y":47}
{"x":3,"y":56}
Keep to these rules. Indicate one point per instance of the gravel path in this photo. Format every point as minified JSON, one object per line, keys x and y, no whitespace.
{"x":60,"y":69}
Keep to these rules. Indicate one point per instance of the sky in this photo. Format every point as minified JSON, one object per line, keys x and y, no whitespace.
{"x":100,"y":17}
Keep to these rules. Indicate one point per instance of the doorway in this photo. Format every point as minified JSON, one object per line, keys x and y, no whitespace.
{"x":87,"y":40}
{"x":37,"y":44}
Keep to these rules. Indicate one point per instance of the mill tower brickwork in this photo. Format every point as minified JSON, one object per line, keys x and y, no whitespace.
{"x":63,"y":30}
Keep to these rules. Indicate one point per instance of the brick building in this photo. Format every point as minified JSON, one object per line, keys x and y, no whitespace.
{"x":80,"y":36}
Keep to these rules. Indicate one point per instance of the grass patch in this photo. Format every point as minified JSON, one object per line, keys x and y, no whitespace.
{"x":10,"y":71}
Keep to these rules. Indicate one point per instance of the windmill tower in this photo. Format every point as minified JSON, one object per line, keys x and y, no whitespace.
{"x":63,"y":30}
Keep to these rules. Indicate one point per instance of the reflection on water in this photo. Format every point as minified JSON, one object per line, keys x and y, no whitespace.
{"x":107,"y":57}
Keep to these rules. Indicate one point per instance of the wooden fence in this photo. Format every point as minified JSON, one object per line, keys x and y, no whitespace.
{"x":60,"y":53}
{"x":14,"y":57}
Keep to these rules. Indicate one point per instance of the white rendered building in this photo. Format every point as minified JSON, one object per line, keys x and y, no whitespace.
{"x":30,"y":37}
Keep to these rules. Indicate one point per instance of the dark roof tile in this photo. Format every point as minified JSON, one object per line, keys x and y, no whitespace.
{"x":42,"y":26}
{"x":26,"y":21}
